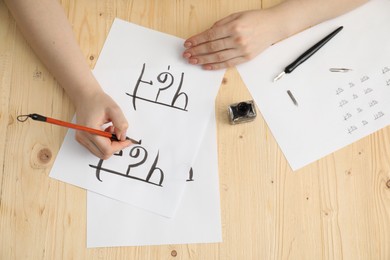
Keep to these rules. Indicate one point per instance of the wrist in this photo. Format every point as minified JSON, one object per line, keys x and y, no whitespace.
{"x":83,"y":91}
{"x":275,"y":29}
{"x":289,"y":18}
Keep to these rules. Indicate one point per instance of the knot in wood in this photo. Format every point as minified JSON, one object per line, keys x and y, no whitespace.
{"x":44,"y":155}
{"x":224,"y":81}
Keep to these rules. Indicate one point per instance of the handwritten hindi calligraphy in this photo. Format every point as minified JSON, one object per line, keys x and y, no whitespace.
{"x":165,"y":81}
{"x":335,"y":109}
{"x":167,"y":103}
{"x":198,"y":220}
{"x":141,"y":155}
{"x":357,"y":100}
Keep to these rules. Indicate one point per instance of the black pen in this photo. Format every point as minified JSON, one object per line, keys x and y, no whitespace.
{"x":307,"y":54}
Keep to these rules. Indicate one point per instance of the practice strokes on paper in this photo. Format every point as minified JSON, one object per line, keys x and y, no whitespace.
{"x":166,"y":80}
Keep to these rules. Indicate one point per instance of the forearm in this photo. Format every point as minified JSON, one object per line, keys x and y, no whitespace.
{"x":241,"y":36}
{"x":294,"y":16}
{"x":47,"y":30}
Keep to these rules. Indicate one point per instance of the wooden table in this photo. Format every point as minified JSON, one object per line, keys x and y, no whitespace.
{"x":335,"y":208}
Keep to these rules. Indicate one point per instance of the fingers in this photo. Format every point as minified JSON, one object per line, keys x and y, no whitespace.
{"x":212,"y":52}
{"x":215,"y":48}
{"x":231,"y":41}
{"x":120,"y":123}
{"x":217,"y":31}
{"x":219,"y":54}
{"x":96,"y":111}
{"x":225,"y":64}
{"x":101,"y":147}
{"x":212,"y":46}
{"x":194,"y":55}
{"x":222,"y":52}
{"x":212,"y":34}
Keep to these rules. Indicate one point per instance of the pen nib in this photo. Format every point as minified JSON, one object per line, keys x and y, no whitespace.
{"x":279,"y":76}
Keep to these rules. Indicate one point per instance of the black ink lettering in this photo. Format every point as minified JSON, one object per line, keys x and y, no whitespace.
{"x":152,"y":171}
{"x":343,"y":103}
{"x":364,"y":78}
{"x":372,"y":103}
{"x":367,"y":90}
{"x":191,"y":175}
{"x":378,"y":115}
{"x":347,"y":116}
{"x":98,"y":167}
{"x":135,"y":153}
{"x":158,"y":103}
{"x":178,"y":94}
{"x":339,"y":90}
{"x":120,"y":153}
{"x":352,"y":129}
{"x":164,"y":78}
{"x":139,"y":81}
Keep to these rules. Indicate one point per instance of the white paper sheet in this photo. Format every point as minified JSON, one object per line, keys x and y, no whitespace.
{"x":198,"y":220}
{"x":321,"y":124}
{"x":167,"y":103}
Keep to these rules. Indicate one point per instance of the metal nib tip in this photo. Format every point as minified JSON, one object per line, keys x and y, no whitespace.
{"x":339,"y":70}
{"x":279,"y":76}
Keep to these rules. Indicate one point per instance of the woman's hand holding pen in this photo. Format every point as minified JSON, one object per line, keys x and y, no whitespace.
{"x":49,"y":32}
{"x":94,"y":111}
{"x":233,"y":40}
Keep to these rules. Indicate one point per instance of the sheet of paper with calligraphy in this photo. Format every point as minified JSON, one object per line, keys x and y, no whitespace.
{"x":167,"y":103}
{"x":197,"y":220}
{"x":334,"y":108}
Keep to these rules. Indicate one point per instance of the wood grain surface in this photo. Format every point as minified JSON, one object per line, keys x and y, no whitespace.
{"x":335,"y":208}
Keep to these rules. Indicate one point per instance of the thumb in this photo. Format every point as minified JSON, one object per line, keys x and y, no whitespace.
{"x":120,"y":124}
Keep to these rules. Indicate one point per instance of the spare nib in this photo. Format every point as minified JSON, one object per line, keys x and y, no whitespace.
{"x":279,"y":76}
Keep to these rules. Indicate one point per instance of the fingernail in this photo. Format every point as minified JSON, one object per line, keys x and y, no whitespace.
{"x":207,"y":67}
{"x":193,"y":61}
{"x":187,"y":44}
{"x":187,"y":55}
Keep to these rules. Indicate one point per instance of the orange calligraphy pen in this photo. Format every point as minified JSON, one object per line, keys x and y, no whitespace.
{"x":41,"y":118}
